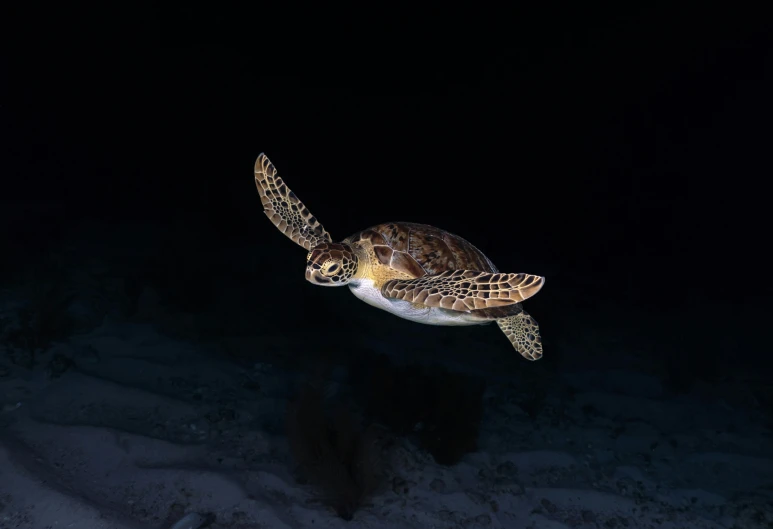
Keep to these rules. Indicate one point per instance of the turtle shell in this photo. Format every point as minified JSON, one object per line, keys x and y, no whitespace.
{"x":420,"y":249}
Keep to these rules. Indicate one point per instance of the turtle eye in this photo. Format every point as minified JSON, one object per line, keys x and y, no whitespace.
{"x":330,"y":268}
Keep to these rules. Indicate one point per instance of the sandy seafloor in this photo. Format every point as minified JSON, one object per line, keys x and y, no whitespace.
{"x":144,"y":412}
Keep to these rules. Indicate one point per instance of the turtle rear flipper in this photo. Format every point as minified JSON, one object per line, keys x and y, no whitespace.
{"x":284,"y":209}
{"x":523,"y":332}
{"x":464,"y":290}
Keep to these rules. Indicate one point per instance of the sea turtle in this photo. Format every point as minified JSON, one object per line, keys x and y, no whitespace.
{"x":415,"y":271}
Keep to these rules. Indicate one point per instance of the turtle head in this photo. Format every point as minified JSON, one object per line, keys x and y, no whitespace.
{"x":331,"y":264}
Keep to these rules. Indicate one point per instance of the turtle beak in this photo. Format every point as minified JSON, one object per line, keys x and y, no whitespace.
{"x":315,"y":278}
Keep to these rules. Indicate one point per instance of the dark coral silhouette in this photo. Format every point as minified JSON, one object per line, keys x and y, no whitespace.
{"x":442,"y":408}
{"x":341,"y":460}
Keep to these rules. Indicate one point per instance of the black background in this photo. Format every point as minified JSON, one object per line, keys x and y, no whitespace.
{"x":622,"y":155}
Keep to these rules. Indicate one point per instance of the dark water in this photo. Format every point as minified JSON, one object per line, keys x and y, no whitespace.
{"x":627,"y":173}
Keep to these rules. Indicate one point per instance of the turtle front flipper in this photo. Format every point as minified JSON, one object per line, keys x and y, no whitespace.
{"x":523,"y":333}
{"x":464,"y":290}
{"x":284,"y":209}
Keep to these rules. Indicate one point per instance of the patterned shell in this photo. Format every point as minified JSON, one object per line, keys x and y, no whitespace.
{"x":419,"y":250}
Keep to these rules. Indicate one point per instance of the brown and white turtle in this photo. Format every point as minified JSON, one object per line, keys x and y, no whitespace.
{"x":417,"y":272}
